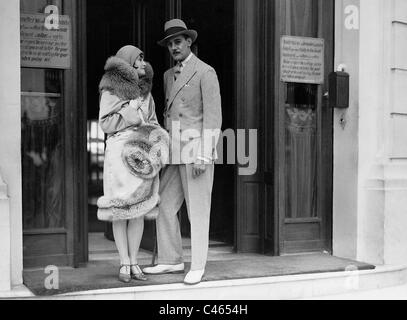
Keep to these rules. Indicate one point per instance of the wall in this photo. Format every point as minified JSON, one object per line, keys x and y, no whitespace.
{"x":373,"y":120}
{"x":346,"y":128}
{"x":395,"y":237}
{"x":382,"y":236}
{"x":5,"y":252}
{"x":10,"y":139}
{"x":370,"y":175}
{"x":370,"y":145}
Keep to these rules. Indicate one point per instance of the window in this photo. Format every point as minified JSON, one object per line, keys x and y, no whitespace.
{"x":42,"y":131}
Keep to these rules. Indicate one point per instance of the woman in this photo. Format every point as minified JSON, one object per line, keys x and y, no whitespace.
{"x":127,"y":116}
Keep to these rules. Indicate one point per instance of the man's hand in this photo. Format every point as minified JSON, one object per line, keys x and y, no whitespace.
{"x":197,"y":170}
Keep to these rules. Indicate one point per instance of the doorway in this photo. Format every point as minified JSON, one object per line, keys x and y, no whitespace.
{"x":109,"y":26}
{"x":113,"y":24}
{"x":285,"y":207}
{"x":215,"y":24}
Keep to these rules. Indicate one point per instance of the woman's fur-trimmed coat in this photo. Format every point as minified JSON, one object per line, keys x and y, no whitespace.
{"x":122,"y":80}
{"x":137,"y":151}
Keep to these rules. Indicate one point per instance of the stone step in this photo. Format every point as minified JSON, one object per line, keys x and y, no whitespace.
{"x":308,"y":286}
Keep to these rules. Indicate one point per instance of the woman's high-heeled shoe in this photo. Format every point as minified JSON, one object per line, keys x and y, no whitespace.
{"x":125,"y":277}
{"x":139,"y":275}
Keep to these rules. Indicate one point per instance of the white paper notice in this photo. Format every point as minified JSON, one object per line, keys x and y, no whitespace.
{"x":43,"y":48}
{"x":302,"y":60}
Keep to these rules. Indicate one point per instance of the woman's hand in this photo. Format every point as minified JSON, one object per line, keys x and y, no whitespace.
{"x":136,"y":103}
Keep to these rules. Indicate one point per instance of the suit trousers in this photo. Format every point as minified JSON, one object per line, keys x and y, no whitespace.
{"x":177,"y":184}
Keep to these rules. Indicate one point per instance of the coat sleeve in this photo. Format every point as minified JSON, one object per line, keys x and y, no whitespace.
{"x":115,"y":114}
{"x":152,"y":116}
{"x":212,"y":115}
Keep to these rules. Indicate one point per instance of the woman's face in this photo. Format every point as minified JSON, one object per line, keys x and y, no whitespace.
{"x":140,"y":66}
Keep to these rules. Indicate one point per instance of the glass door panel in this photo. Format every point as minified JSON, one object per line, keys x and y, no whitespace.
{"x":45,"y":220}
{"x":301,"y":151}
{"x":42,"y":139}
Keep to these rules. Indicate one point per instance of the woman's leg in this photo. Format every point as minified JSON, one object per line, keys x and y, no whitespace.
{"x":120,"y":238}
{"x":134,"y":235}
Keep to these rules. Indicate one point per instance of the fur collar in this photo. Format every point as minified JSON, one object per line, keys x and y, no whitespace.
{"x":122,"y":80}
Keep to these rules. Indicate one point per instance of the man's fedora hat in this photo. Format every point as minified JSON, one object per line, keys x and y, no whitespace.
{"x":175,"y":28}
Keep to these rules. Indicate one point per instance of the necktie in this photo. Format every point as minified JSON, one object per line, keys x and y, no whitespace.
{"x":177,"y":70}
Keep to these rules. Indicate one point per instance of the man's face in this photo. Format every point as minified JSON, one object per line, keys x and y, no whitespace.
{"x":179,"y":47}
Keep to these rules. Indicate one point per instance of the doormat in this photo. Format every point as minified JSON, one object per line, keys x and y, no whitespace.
{"x":103,"y":274}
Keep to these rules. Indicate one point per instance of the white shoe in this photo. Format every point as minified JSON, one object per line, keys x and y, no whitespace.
{"x":194,"y":277}
{"x":165,"y":268}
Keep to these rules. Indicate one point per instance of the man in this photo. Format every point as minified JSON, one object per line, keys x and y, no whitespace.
{"x":193,"y":118}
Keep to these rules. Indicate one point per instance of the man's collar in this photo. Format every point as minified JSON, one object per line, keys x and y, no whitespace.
{"x":187,"y":59}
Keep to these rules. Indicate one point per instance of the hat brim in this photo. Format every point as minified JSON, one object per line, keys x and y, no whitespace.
{"x":191,"y":33}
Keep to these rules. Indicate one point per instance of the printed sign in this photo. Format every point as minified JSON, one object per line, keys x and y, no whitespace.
{"x":42,"y":47}
{"x":302,"y":60}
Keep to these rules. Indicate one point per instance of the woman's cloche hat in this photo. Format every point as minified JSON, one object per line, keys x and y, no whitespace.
{"x":129,"y":54}
{"x":176,"y":27}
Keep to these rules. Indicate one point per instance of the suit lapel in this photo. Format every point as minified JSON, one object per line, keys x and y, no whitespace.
{"x":187,"y":73}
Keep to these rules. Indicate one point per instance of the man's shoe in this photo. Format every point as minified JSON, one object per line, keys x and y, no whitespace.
{"x":165,"y":268}
{"x":194,"y":277}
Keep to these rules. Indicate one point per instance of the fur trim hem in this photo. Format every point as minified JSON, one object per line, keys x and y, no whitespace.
{"x":118,"y":209}
{"x":133,"y":212}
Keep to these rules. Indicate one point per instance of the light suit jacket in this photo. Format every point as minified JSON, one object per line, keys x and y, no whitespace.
{"x":193,"y":115}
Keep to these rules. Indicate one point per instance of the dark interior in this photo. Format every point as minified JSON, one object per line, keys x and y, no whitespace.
{"x":215,"y":46}
{"x":112,"y":24}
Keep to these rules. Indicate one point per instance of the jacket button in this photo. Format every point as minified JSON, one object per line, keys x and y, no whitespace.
{"x":180,"y":115}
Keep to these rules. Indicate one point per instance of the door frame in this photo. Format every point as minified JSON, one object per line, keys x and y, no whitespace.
{"x":266,"y":194}
{"x":80,"y":145}
{"x":250,"y":191}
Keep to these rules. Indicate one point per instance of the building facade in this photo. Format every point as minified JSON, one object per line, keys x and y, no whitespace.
{"x":325,"y":179}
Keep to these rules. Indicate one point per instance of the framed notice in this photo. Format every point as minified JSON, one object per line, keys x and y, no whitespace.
{"x":302,"y":60}
{"x":42,"y":47}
